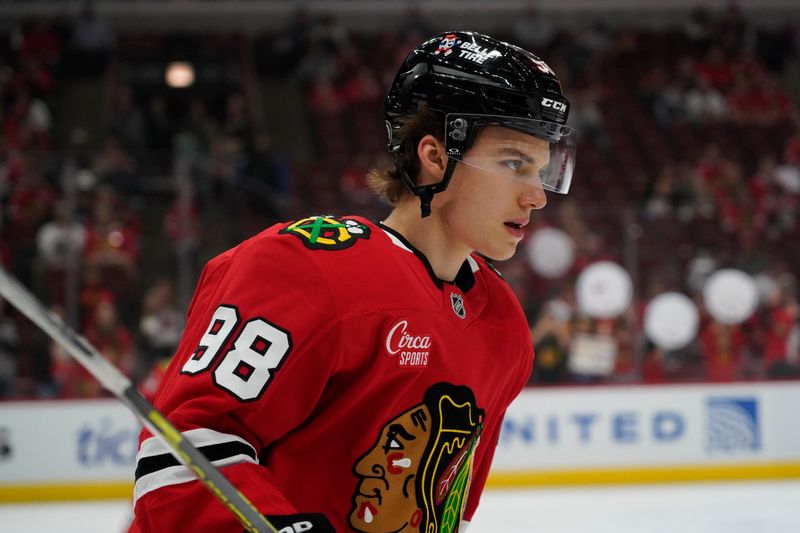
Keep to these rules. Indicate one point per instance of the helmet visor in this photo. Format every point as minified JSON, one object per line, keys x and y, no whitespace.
{"x":538,"y":152}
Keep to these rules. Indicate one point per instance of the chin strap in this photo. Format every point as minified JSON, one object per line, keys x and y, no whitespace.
{"x":425,"y":199}
{"x":426,"y":192}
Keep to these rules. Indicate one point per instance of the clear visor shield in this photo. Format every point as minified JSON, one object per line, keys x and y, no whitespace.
{"x":538,"y":152}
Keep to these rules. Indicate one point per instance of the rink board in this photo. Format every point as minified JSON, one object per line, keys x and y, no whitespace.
{"x":58,"y":450}
{"x":570,"y":435}
{"x":635,"y":434}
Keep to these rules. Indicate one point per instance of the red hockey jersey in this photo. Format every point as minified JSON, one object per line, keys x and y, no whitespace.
{"x":326,"y":369}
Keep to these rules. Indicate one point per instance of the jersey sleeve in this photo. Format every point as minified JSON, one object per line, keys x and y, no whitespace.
{"x":261,"y":341}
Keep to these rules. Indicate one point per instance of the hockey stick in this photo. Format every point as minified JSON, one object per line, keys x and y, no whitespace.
{"x":119,"y":385}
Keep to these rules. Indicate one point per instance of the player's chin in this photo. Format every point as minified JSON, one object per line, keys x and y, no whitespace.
{"x":499,"y":251}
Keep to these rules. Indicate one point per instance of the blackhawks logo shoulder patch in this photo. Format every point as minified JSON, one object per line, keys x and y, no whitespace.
{"x":327,"y":232}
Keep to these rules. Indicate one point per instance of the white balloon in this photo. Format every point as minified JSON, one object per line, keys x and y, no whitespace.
{"x":730,"y":295}
{"x":550,"y":252}
{"x":604,"y":290}
{"x":671,"y":320}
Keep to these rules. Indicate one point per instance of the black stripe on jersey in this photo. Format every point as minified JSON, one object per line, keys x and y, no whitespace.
{"x":213,"y":452}
{"x":465,"y":279}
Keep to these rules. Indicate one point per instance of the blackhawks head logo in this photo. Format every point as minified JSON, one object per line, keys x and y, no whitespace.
{"x":327,"y":233}
{"x":416,"y":476}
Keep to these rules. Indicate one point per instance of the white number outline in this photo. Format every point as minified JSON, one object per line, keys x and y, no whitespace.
{"x":263,"y":366}
{"x":210,"y":343}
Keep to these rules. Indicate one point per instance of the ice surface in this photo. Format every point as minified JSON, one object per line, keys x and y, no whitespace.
{"x":768,"y":507}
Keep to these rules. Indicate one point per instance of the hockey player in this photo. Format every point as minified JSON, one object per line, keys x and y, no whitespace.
{"x":352,"y":376}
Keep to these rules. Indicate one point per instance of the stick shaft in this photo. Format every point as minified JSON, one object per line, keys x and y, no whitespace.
{"x":121,"y":387}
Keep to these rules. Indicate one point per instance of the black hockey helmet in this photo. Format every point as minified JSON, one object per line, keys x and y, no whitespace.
{"x":474,"y":80}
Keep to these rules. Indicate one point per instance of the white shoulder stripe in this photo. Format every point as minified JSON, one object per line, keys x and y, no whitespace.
{"x":397,"y":242}
{"x":198,"y":437}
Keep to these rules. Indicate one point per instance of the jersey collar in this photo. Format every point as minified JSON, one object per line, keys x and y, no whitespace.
{"x":465,"y":279}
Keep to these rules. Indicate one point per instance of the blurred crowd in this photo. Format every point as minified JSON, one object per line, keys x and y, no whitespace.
{"x":115,"y":188}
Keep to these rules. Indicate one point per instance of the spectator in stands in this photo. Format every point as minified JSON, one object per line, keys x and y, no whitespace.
{"x":78,"y":154}
{"x":199,"y":125}
{"x":160,"y":327}
{"x":92,"y":42}
{"x":663,"y":95}
{"x":93,"y":291}
{"x":59,"y":245}
{"x":592,"y":350}
{"x":324,"y":99}
{"x":193,"y":142}
{"x":27,"y":123}
{"x":110,"y":337}
{"x":353,"y":181}
{"x":780,"y":317}
{"x":127,"y":121}
{"x":236,"y":122}
{"x":317,"y":65}
{"x":69,"y":379}
{"x":704,"y":103}
{"x":160,"y":131}
{"x":182,"y":221}
{"x":329,"y":33}
{"x":552,"y":334}
{"x":34,"y":76}
{"x":587,"y":119}
{"x":659,"y":200}
{"x":698,"y":28}
{"x":105,"y":333}
{"x":359,"y":86}
{"x":112,"y":244}
{"x":38,"y":40}
{"x":267,"y":168}
{"x":731,"y":29}
{"x":723,"y":349}
{"x":716,"y":69}
{"x":29,"y":206}
{"x":286,"y":48}
{"x":116,"y":168}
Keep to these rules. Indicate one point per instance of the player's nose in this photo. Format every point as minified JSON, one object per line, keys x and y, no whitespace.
{"x":533,"y":196}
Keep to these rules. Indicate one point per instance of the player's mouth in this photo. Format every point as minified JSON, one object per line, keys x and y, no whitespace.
{"x":516,"y":227}
{"x":367,"y":512}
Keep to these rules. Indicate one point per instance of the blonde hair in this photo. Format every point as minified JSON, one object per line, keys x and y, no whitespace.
{"x":386,"y":183}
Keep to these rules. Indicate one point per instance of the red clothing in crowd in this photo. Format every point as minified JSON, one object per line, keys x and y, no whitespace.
{"x":722,"y":349}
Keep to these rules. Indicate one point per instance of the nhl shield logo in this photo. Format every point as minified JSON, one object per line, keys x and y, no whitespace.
{"x":458,"y":305}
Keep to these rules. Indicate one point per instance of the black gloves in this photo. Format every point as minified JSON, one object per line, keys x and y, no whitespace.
{"x":301,"y":523}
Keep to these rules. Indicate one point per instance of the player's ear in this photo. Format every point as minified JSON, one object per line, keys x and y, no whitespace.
{"x":432,"y":160}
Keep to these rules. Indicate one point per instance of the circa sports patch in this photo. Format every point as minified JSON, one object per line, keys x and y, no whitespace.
{"x":326,"y":232}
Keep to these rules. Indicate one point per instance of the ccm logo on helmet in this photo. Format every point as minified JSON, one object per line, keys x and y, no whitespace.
{"x":558,"y":106}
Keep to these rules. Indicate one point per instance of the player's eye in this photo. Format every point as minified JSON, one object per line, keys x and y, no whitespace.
{"x":513,"y":164}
